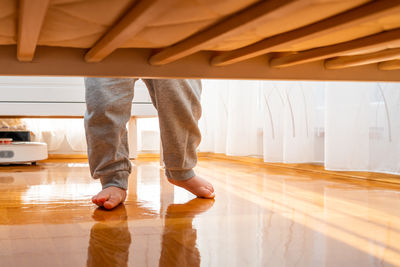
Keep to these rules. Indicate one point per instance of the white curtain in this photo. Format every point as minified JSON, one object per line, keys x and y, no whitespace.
{"x":61,"y":135}
{"x":344,"y":125}
{"x":363,"y":127}
{"x":50,"y":131}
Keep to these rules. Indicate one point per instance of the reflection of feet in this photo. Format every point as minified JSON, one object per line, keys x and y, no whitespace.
{"x":196,"y":185}
{"x":190,"y":208}
{"x":109,"y":238}
{"x":110,"y":197}
{"x":118,"y":214}
{"x":179,"y":237}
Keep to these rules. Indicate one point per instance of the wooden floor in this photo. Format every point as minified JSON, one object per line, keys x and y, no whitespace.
{"x":262,"y":216}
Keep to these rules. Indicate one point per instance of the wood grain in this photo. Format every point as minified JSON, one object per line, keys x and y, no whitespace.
{"x":390,"y":65}
{"x":56,"y":61}
{"x":127,"y":27}
{"x":358,"y":60}
{"x":308,"y":218}
{"x":373,"y":42}
{"x":30,"y":20}
{"x":368,"y":12}
{"x":233,"y":25}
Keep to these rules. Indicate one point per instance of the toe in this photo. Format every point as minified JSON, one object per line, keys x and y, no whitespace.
{"x":100,"y":198}
{"x":210,"y":187}
{"x":211,"y":195}
{"x":112,"y":202}
{"x":206,"y":193}
{"x":96,"y":201}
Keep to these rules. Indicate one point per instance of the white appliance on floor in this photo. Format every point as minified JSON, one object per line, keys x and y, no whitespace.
{"x":16,"y":148}
{"x":22,"y":152}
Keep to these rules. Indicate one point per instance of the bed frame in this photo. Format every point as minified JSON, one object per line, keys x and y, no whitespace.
{"x":230,"y":39}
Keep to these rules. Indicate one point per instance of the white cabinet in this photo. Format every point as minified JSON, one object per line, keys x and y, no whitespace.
{"x":57,"y":97}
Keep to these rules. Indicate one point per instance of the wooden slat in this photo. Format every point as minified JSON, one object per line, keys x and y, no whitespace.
{"x":127,"y":27}
{"x":58,"y":61}
{"x":30,"y":21}
{"x":233,"y":25}
{"x":362,"y":14}
{"x":373,"y":42}
{"x":364,"y":59}
{"x":390,"y":65}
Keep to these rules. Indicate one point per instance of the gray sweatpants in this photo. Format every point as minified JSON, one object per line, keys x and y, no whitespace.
{"x":109,"y":102}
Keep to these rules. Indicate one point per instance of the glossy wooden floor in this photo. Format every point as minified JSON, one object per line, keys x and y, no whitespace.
{"x":262,"y":216}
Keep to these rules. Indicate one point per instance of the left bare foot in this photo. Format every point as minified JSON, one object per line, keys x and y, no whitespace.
{"x":110,"y":197}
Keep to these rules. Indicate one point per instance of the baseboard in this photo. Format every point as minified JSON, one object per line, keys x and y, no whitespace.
{"x":316,"y":168}
{"x":84,"y":156}
{"x":67,"y":156}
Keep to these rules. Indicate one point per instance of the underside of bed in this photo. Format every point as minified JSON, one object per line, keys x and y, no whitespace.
{"x":232,"y":39}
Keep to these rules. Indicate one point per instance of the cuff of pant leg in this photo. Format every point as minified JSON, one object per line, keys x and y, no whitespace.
{"x":118,"y":179}
{"x":179,"y":175}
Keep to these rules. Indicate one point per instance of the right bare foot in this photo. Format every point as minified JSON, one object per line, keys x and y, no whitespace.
{"x":196,"y":185}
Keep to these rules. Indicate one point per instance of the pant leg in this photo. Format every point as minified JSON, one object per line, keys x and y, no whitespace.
{"x":108,"y":102}
{"x":179,"y":109}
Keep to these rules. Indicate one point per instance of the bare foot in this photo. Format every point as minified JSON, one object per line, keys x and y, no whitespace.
{"x":110,"y":197}
{"x":196,"y":185}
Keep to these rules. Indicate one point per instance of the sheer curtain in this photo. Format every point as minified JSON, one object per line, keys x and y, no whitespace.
{"x":61,"y":135}
{"x":344,"y":125}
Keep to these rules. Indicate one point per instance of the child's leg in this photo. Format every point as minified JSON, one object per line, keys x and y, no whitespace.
{"x":179,"y":109}
{"x":108,"y":103}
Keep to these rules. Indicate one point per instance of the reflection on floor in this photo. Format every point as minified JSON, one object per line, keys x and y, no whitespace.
{"x":262,"y":216}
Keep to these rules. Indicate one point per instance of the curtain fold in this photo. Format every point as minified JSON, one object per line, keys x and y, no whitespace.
{"x":50,"y":131}
{"x":363,"y":127}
